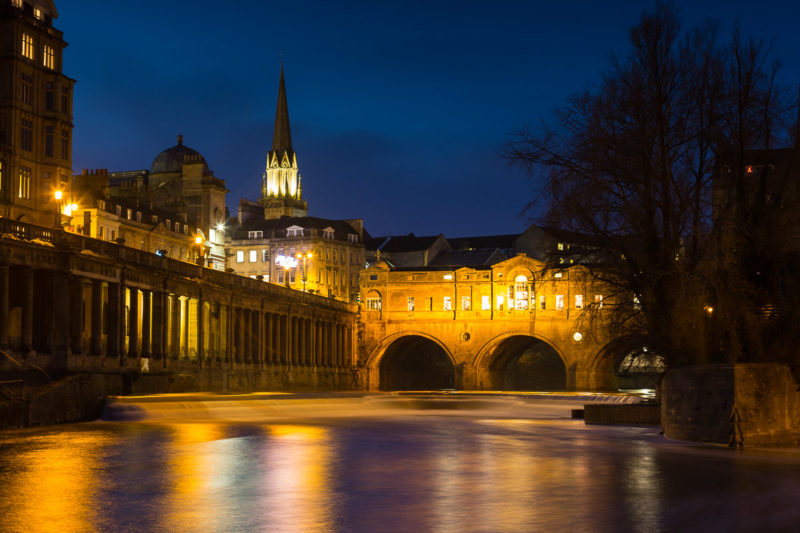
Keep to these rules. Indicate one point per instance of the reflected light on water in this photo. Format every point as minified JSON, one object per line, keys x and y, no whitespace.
{"x":55,"y":485}
{"x":297,"y":493}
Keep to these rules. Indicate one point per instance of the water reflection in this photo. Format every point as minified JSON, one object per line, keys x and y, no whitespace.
{"x":410,"y":471}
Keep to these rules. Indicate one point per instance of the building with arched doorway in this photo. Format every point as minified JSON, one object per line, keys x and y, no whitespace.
{"x":512,"y":325}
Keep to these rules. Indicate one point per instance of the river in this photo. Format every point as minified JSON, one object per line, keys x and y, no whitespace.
{"x":381,"y":464}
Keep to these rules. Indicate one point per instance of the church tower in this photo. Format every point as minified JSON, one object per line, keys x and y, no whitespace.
{"x":281,"y":192}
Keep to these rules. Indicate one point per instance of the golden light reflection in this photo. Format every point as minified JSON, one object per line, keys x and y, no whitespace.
{"x":57,"y":484}
{"x":297,"y":493}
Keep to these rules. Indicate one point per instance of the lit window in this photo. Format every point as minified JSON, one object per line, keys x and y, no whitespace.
{"x":448,"y":276}
{"x":559,"y":302}
{"x":138,"y":216}
{"x":465,"y":303}
{"x":500,"y":300}
{"x":559,"y":275}
{"x":255,"y":234}
{"x":486,"y":303}
{"x":598,"y":300}
{"x":17,"y":3}
{"x":24,"y":183}
{"x":373,"y":304}
{"x":542,"y":302}
{"x":327,"y":233}
{"x":411,"y":303}
{"x":636,"y":303}
{"x":579,"y":301}
{"x":27,"y":46}
{"x":240,"y":256}
{"x":561,"y":246}
{"x":253,"y":256}
{"x":37,"y":12}
{"x":47,"y":57}
{"x":520,"y":292}
{"x":129,"y":213}
{"x":265,"y":255}
{"x":155,"y":219}
{"x":294,"y":232}
{"x":352,"y":237}
{"x":447,"y":304}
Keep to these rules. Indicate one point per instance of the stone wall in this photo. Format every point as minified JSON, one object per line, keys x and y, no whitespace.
{"x":754,"y":404}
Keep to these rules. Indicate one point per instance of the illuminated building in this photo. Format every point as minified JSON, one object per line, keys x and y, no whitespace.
{"x":35,"y":112}
{"x":163,"y":209}
{"x":274,"y":240}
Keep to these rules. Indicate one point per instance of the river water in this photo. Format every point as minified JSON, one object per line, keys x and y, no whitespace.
{"x":381,"y":464}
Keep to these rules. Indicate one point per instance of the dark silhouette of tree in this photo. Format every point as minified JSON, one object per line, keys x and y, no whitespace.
{"x":652,"y":163}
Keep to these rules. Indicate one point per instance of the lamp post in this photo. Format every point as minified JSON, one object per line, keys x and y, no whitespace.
{"x":305,"y":257}
{"x":198,"y":241}
{"x":286,"y":275}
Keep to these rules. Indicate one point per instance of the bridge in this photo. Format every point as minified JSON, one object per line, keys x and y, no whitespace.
{"x":512,"y":325}
{"x":73,"y":304}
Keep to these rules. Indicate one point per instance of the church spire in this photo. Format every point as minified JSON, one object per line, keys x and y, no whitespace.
{"x":282,"y":136}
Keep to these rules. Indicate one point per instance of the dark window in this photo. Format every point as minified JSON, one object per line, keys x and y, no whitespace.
{"x":26,"y":89}
{"x":64,"y":144}
{"x":26,"y":135}
{"x":49,"y":98}
{"x":64,"y":100}
{"x":48,"y":141}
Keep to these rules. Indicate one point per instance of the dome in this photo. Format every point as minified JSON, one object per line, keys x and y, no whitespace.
{"x":171,"y":159}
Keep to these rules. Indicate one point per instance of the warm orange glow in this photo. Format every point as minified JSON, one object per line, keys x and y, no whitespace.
{"x":708,"y":309}
{"x":198,"y":239}
{"x":58,"y":195}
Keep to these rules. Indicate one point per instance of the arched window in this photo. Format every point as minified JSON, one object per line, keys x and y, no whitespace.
{"x":373,"y":301}
{"x":520,"y":292}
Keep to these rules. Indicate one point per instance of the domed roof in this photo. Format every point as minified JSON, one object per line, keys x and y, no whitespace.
{"x":171,"y":159}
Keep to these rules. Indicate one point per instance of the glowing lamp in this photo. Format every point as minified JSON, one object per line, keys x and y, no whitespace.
{"x":198,"y":239}
{"x":58,"y":195}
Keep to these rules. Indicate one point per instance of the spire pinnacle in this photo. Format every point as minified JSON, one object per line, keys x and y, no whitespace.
{"x":282,"y":136}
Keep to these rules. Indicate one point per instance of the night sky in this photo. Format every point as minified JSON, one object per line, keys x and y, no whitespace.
{"x":399,"y":110}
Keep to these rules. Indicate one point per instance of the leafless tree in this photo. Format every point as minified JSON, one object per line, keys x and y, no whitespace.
{"x":635,"y":162}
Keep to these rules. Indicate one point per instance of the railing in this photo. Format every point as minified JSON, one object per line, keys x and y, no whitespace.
{"x":72,"y":241}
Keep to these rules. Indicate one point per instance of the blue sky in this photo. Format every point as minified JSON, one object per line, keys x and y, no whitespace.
{"x":399,"y":110}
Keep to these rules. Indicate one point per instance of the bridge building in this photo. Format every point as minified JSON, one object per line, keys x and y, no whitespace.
{"x":511,"y":325}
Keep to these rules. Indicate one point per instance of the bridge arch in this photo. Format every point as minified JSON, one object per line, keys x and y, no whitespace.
{"x":411,"y":360}
{"x":518,"y":360}
{"x":626,"y":363}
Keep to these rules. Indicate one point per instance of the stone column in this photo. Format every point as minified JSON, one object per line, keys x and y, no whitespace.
{"x":4,"y":286}
{"x":146,"y":320}
{"x":113,"y":315}
{"x":96,"y":343}
{"x":286,"y":344}
{"x":157,"y":330}
{"x":175,"y":326}
{"x":268,"y":340}
{"x":133,"y":322}
{"x":61,"y":320}
{"x":200,"y":331}
{"x":185,"y":327}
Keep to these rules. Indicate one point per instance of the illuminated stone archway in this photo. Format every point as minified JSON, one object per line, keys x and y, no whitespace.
{"x":412,"y":361}
{"x":519,"y":361}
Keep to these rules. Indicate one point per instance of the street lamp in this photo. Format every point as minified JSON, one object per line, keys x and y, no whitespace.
{"x":198,"y":241}
{"x":305,"y":257}
{"x":286,"y":275}
{"x":58,"y":195}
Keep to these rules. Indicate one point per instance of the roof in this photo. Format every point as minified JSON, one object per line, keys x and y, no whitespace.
{"x":471,"y":258}
{"x":272,"y":226}
{"x":502,"y":242}
{"x":282,"y":135}
{"x":401,"y":243}
{"x":172,"y":159}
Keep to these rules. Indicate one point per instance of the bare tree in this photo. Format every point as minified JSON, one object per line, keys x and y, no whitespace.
{"x":633,"y":163}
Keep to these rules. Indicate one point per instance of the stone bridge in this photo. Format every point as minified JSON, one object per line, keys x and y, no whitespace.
{"x":512,"y":325}
{"x":71,"y":304}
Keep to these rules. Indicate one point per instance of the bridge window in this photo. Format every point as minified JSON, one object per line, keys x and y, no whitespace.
{"x":500,"y":300}
{"x":253,"y":256}
{"x":485,"y":303}
{"x":598,"y":300}
{"x":448,"y":303}
{"x":240,"y":256}
{"x":374,"y":303}
{"x":559,"y":302}
{"x":410,"y":303}
{"x":579,"y":301}
{"x":521,"y":292}
{"x":465,"y":303}
{"x":542,"y":302}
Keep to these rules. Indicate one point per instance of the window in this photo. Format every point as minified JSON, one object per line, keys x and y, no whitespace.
{"x":24,"y":183}
{"x":447,"y":305}
{"x":465,"y":303}
{"x":48,"y":97}
{"x":37,"y":12}
{"x":48,"y":141}
{"x":486,"y":303}
{"x":27,"y":46}
{"x":559,"y":302}
{"x":26,"y":135}
{"x":561,"y":247}
{"x":281,"y":272}
{"x":542,"y":302}
{"x":118,"y":210}
{"x":579,"y":301}
{"x":520,"y":292}
{"x":253,"y":256}
{"x":255,"y":234}
{"x":373,"y":277}
{"x":129,"y":213}
{"x":265,"y":255}
{"x":64,"y":144}
{"x":240,"y":256}
{"x":186,"y":229}
{"x":294,"y":231}
{"x":598,"y":300}
{"x":374,"y":304}
{"x":637,"y":305}
{"x":327,"y":233}
{"x":138,"y":216}
{"x":17,"y":3}
{"x":352,"y":237}
{"x":26,"y":87}
{"x":410,"y":303}
{"x":168,"y":223}
{"x":64,"y":100}
{"x":47,"y":57}
{"x":558,"y":275}
{"x":500,"y":301}
{"x":155,"y":219}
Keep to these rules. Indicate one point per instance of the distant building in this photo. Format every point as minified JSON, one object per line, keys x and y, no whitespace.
{"x":276,"y":241}
{"x":35,"y":113}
